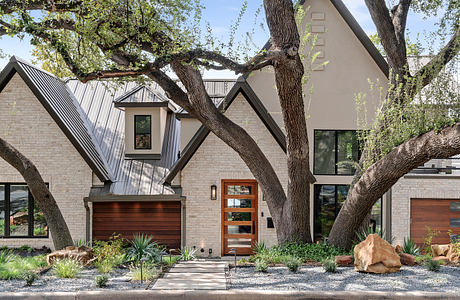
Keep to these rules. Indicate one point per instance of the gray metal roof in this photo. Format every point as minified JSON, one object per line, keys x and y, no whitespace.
{"x":63,"y":108}
{"x":131,"y":176}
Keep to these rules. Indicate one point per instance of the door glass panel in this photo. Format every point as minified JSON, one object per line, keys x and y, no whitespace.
{"x":40,"y":226}
{"x":239,"y":229}
{"x":455,"y":206}
{"x":455,"y":222}
{"x":239,"y":216}
{"x":347,"y":152}
{"x":19,"y":213}
{"x":239,"y":243}
{"x":324,"y":209}
{"x":2,"y":210}
{"x":239,"y":203}
{"x":239,"y":190}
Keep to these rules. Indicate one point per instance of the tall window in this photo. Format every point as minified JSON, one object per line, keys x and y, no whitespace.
{"x":19,"y":215}
{"x":336,"y":152}
{"x":142,"y":132}
{"x":328,"y":202}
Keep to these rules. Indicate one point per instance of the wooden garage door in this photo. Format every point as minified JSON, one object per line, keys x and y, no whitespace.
{"x":438,"y":214}
{"x":162,"y":220}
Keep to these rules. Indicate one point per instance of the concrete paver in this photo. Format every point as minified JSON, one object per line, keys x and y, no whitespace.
{"x":194,"y":275}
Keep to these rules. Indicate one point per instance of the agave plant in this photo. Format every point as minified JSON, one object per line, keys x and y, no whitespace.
{"x":187,"y":253}
{"x":363,"y":234}
{"x":410,"y":247}
{"x":259,"y":248}
{"x":143,"y":247}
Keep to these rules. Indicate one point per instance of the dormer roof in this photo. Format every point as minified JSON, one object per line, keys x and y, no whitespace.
{"x":143,"y":96}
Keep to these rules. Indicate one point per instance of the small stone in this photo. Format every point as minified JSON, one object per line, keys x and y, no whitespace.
{"x":344,"y":260}
{"x":398,"y":249}
{"x":375,"y":255}
{"x":407,"y":259}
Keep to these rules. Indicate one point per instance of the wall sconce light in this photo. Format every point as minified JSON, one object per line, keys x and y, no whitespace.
{"x":213,"y":192}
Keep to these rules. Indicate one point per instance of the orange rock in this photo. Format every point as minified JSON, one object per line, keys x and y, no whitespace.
{"x":344,"y":260}
{"x":82,"y":254}
{"x":398,"y":249}
{"x":407,"y":259}
{"x":439,"y":250}
{"x":375,"y":255}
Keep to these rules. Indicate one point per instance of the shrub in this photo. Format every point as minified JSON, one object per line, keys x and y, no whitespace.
{"x":6,"y":256}
{"x":410,"y":247}
{"x":109,"y":249}
{"x":149,"y":271}
{"x":101,"y":280}
{"x":304,"y":251}
{"x":29,"y":277}
{"x":17,"y":265}
{"x":428,"y":240}
{"x":105,"y":266}
{"x":432,"y":265}
{"x":292,"y":263}
{"x":329,"y":265}
{"x":261,"y":266}
{"x":362,"y":234}
{"x":79,"y":243}
{"x":259,"y":248}
{"x":26,"y":248}
{"x":67,"y":268}
{"x":170,"y":260}
{"x":143,"y":247}
{"x":187,"y":253}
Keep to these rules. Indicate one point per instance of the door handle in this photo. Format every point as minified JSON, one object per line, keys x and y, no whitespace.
{"x":253,"y":227}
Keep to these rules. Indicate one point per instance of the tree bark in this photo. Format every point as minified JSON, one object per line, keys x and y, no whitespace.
{"x":59,"y":231}
{"x":295,"y":220}
{"x":383,"y":174}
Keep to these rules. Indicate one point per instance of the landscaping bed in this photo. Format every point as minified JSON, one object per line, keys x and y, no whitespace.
{"x":314,"y":278}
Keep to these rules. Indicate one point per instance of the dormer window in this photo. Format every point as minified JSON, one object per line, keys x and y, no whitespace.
{"x":142,"y":132}
{"x":145,"y":111}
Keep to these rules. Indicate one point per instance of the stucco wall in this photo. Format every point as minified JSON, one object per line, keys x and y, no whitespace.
{"x":332,"y":104}
{"x":29,"y":128}
{"x":214,"y":161}
{"x":408,"y":187}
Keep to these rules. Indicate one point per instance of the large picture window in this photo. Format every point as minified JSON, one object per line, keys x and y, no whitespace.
{"x":19,"y":215}
{"x":328,"y":202}
{"x":336,"y":152}
{"x":142,"y":132}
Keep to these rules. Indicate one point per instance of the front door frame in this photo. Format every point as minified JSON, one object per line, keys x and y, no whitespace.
{"x":255,"y":207}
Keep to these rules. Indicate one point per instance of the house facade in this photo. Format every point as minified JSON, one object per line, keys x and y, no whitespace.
{"x":127,"y":160}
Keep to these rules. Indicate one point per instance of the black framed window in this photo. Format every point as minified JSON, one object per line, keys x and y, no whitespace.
{"x":328,"y":201}
{"x":336,"y":152}
{"x":20,"y":217}
{"x":142,"y":132}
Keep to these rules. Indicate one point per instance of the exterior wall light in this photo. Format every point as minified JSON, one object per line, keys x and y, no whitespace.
{"x":213,"y":192}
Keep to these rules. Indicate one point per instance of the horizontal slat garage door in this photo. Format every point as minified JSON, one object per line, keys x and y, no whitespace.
{"x":162,"y":220}
{"x":439,"y":214}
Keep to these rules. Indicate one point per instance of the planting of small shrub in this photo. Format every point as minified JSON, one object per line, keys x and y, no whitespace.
{"x":144,"y":247}
{"x":261,"y":266}
{"x":305,"y":252}
{"x":329,"y":265}
{"x":149,"y":271}
{"x":67,"y":268}
{"x":292,"y":263}
{"x":432,"y":265}
{"x":29,"y":277}
{"x":187,"y":253}
{"x":14,"y":266}
{"x":410,"y":247}
{"x":170,"y":260}
{"x":101,"y":280}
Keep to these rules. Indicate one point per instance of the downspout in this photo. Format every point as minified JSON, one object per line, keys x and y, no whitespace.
{"x":88,"y":218}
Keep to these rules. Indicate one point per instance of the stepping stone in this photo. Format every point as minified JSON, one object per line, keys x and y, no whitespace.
{"x":191,"y":281}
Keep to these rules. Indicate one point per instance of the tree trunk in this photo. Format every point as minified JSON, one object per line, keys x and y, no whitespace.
{"x":288,"y":76}
{"x":383,"y":174}
{"x":59,"y":231}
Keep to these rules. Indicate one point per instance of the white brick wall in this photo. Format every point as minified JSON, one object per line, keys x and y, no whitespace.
{"x":214,"y":161}
{"x":416,"y":187}
{"x":28,"y":127}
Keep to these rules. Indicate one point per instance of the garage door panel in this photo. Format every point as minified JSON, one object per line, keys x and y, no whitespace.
{"x":435,"y":213}
{"x":161,"y":220}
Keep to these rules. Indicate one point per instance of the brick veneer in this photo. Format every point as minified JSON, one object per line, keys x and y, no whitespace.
{"x":214,"y":161}
{"x":27,"y":126}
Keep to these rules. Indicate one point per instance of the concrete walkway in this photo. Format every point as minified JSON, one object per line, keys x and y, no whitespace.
{"x":194,"y":275}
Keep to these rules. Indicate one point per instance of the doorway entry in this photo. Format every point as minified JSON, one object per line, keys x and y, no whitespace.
{"x":239,"y":216}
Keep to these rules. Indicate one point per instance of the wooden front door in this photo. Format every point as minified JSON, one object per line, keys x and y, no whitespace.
{"x":239,"y":216}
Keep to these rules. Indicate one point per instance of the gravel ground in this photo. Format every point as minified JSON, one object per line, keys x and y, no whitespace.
{"x":119,"y":280}
{"x":347,"y":279}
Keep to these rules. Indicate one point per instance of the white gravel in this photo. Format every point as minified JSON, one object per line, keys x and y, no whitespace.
{"x":347,"y":279}
{"x":48,"y":282}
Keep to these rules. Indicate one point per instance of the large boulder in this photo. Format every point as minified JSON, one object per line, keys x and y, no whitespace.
{"x":439,"y":250}
{"x":82,"y":254}
{"x":452,"y":255}
{"x":375,"y":255}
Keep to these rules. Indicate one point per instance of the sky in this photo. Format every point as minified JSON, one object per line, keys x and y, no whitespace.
{"x":221,"y":14}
